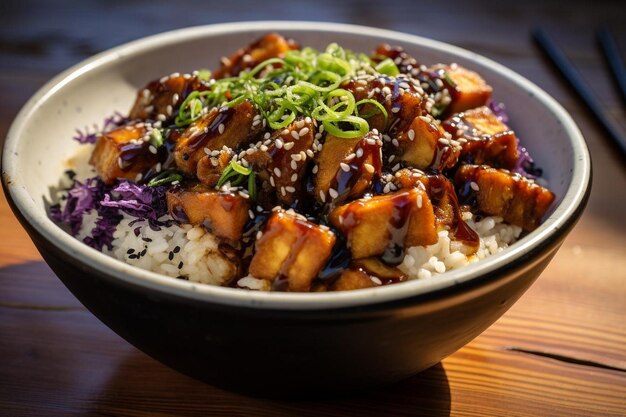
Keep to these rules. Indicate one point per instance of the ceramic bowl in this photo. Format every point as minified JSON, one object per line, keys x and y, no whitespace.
{"x":283,"y":344}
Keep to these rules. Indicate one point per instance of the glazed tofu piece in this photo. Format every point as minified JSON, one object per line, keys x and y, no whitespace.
{"x":269,"y":46}
{"x":424,"y":145}
{"x":160,"y":99}
{"x":210,"y":167}
{"x":367,"y":273}
{"x":470,"y":89}
{"x":354,"y":279}
{"x":498,"y":192}
{"x":484,"y":138}
{"x":283,"y":162}
{"x":373,"y":225}
{"x":347,"y":166}
{"x":223,"y":213}
{"x":230,"y":127}
{"x":291,"y":251}
{"x":400,"y":97}
{"x":123,"y":153}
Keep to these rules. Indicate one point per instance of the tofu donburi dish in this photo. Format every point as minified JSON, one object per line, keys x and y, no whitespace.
{"x":294,"y":169}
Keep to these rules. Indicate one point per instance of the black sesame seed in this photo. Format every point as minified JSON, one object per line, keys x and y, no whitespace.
{"x":185,"y":157}
{"x":132,"y":256}
{"x":180,"y":265}
{"x":143,"y":252}
{"x":131,"y":250}
{"x":170,"y":256}
{"x":177,"y":249}
{"x":146,"y":239}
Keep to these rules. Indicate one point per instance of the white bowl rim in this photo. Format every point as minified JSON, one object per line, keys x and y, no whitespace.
{"x":575,"y":195}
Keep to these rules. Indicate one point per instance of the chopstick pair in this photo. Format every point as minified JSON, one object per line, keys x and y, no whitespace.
{"x":616,"y":64}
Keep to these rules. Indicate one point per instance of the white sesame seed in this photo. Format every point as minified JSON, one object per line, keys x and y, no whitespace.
{"x":175,"y":98}
{"x":333,"y":193}
{"x":161,"y":117}
{"x":263,"y":148}
{"x":220,"y":128}
{"x":267,"y":135}
{"x":386,"y":188}
{"x":295,"y":135}
{"x":283,"y":191}
{"x":277,"y":172}
{"x":145,"y":93}
{"x":303,"y":131}
{"x":395,"y":142}
{"x":425,"y":119}
{"x":474,"y":186}
{"x":310,"y":153}
{"x":259,"y":234}
{"x":369,"y":168}
{"x":395,"y":167}
{"x":350,"y":157}
{"x":294,"y":165}
{"x":214,"y":162}
{"x":419,"y":201}
{"x":279,"y":143}
{"x":296,"y":157}
{"x":359,"y":152}
{"x":290,"y":189}
{"x":322,"y":196}
{"x":344,"y":167}
{"x":272,"y":182}
{"x":391,"y":158}
{"x":152,"y":149}
{"x":315,"y":169}
{"x":411,"y":134}
{"x":395,"y":109}
{"x":294,"y":177}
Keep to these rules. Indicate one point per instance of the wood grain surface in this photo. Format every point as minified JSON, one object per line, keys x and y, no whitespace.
{"x":561,"y":350}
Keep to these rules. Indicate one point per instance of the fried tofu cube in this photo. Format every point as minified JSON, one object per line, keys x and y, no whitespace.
{"x":230,"y":127}
{"x":122,"y":153}
{"x":484,"y":138}
{"x":271,"y":45}
{"x":498,"y":192}
{"x":420,"y":145}
{"x":210,"y":167}
{"x":470,"y":90}
{"x":354,"y":279}
{"x":374,"y":224}
{"x":160,"y":99}
{"x":291,"y":250}
{"x":401,"y":99}
{"x":223,"y":213}
{"x":347,"y":166}
{"x":287,"y":158}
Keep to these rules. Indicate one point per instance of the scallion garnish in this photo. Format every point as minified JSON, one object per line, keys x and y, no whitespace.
{"x":156,"y":138}
{"x":165,"y":177}
{"x":238,"y":175}
{"x":388,"y":67}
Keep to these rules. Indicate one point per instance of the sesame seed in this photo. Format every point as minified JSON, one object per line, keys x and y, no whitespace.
{"x":259,"y":234}
{"x":425,"y":119}
{"x":279,"y":143}
{"x":277,"y":172}
{"x":220,"y":128}
{"x":395,"y":167}
{"x":294,"y":177}
{"x":295,"y":135}
{"x":386,"y":188}
{"x":251,"y":214}
{"x":283,"y":191}
{"x":289,"y":145}
{"x":369,"y":168}
{"x":267,"y":135}
{"x":344,"y":167}
{"x":272,"y":182}
{"x":152,"y":149}
{"x":293,"y":165}
{"x":175,"y":98}
{"x":391,"y":158}
{"x":395,"y":142}
{"x":322,"y":196}
{"x":350,"y":157}
{"x":474,"y":186}
{"x":310,"y":153}
{"x":303,"y":131}
{"x":315,"y":169}
{"x":307,"y":119}
{"x":419,"y":201}
{"x":411,"y":134}
{"x":333,"y":193}
{"x":145,"y":93}
{"x":169,"y":109}
{"x":395,"y":109}
{"x":161,"y":117}
{"x":290,"y":189}
{"x":296,"y":157}
{"x":359,"y":152}
{"x":285,"y":132}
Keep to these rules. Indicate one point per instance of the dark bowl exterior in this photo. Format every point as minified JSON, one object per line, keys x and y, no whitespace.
{"x":290,"y":353}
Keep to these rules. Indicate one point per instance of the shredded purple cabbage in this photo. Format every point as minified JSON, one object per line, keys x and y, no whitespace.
{"x":90,"y":135}
{"x":525,"y":164}
{"x":139,"y":201}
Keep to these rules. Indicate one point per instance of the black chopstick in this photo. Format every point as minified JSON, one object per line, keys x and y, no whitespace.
{"x":613,"y":58}
{"x":559,"y":59}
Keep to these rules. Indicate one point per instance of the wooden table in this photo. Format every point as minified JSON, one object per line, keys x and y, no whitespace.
{"x":561,"y":350}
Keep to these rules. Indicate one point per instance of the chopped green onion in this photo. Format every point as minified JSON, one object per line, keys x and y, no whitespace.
{"x":165,"y":177}
{"x":252,"y":185}
{"x":387,"y":67}
{"x":190,"y":110}
{"x":156,"y":138}
{"x":204,"y":74}
{"x":379,"y":107}
{"x":237,"y":175}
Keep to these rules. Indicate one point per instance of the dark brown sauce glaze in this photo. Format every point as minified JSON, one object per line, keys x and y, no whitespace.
{"x":344,"y":181}
{"x":398,"y":227}
{"x":223,"y":116}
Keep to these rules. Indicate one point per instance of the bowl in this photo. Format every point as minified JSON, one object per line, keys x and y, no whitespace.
{"x":283,"y":344}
